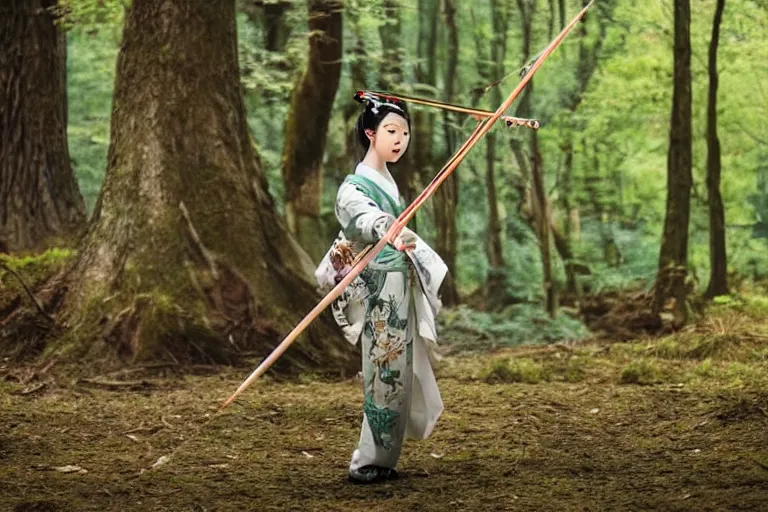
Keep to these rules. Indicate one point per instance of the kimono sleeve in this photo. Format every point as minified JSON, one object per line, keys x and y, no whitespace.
{"x":360,"y":217}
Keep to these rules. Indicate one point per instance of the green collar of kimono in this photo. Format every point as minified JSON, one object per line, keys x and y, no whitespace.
{"x":389,"y":258}
{"x":375,"y":192}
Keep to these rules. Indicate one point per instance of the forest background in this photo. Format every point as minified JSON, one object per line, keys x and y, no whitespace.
{"x":604,"y":102}
{"x":167,"y":181}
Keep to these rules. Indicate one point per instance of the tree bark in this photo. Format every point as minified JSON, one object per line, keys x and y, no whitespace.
{"x":718,"y":280}
{"x":541,"y":211}
{"x":551,"y":20}
{"x":585,"y":69}
{"x":393,"y":53}
{"x":561,"y":8}
{"x":542,"y":218}
{"x":185,"y":257}
{"x":39,"y":196}
{"x":447,"y":196}
{"x":391,"y":79}
{"x":274,"y":20}
{"x":307,"y":126}
{"x":342,"y":163}
{"x":671,"y":281}
{"x":420,"y":161}
{"x":496,"y":283}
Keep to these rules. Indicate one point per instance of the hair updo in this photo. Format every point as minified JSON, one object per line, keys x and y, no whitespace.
{"x":376,"y":109}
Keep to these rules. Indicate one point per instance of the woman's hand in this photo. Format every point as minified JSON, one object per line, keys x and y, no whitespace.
{"x":405,"y":241}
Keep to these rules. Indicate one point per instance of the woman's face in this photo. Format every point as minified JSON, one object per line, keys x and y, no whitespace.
{"x":391,"y":138}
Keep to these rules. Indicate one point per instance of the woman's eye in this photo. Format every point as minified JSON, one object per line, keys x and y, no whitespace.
{"x":391,"y":131}
{"x":405,"y":134}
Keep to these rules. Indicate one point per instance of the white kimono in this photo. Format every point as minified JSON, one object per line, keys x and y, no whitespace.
{"x":391,"y":306}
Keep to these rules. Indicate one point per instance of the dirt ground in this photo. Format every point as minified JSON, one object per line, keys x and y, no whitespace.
{"x":565,"y":429}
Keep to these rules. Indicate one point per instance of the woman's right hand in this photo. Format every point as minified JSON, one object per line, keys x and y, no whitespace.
{"x":405,"y":240}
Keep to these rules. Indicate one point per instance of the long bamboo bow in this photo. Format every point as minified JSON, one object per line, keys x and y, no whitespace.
{"x":476,"y":113}
{"x":370,"y":252}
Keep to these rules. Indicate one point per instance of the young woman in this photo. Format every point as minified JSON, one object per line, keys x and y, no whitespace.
{"x":391,"y":305}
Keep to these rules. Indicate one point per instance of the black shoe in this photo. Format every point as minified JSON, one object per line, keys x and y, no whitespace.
{"x":371,"y":474}
{"x":390,"y":473}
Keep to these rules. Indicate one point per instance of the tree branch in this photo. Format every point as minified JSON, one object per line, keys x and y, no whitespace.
{"x":29,"y":292}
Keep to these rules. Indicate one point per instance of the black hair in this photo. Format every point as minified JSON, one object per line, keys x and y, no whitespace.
{"x":376,"y":109}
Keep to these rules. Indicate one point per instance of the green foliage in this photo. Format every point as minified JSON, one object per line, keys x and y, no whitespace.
{"x":89,"y":14}
{"x":643,"y":372}
{"x":514,"y":370}
{"x":522,"y":324}
{"x":90,"y":78}
{"x":693,"y":345}
{"x":619,"y":134}
{"x":52,"y":257}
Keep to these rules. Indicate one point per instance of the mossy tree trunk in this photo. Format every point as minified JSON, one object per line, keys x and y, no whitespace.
{"x":672,"y":285}
{"x":39,"y":197}
{"x":185,"y":257}
{"x":307,"y":126}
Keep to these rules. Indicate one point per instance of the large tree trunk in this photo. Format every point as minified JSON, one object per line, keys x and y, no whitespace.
{"x":671,"y":281}
{"x":307,"y":126}
{"x":185,"y":257}
{"x":39,"y":197}
{"x":496,"y":284}
{"x":718,"y":280}
{"x":447,"y":196}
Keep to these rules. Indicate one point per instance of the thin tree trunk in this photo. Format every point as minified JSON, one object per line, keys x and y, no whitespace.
{"x":718,"y":280}
{"x":561,"y":8}
{"x":420,"y":157}
{"x":542,"y":218}
{"x":447,"y":196}
{"x":552,"y":16}
{"x":307,"y":126}
{"x":393,"y":53}
{"x":496,"y":284}
{"x":272,"y":15}
{"x":39,"y":196}
{"x":185,"y":257}
{"x":585,"y":69}
{"x":391,"y":79}
{"x":671,"y":281}
{"x":541,"y":211}
{"x":359,"y":74}
{"x":595,"y":185}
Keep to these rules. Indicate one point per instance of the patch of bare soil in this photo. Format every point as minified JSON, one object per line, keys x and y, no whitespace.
{"x":561,"y":446}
